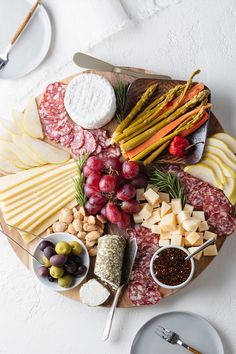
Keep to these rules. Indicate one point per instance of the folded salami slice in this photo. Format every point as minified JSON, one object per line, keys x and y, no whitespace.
{"x":109,"y":261}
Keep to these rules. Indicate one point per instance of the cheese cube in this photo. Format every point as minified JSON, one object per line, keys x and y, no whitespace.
{"x":155,"y":217}
{"x":137,"y":218}
{"x":168,"y":222}
{"x":198,"y":255}
{"x":156,"y":229}
{"x":140,"y":194}
{"x":199,"y":242}
{"x":164,"y":197}
{"x":176,"y":205}
{"x":199,"y":215}
{"x":208,"y":235}
{"x":165,"y":208}
{"x":210,"y":251}
{"x":147,"y":224}
{"x":177,"y":240}
{"x":192,"y":237}
{"x":164,"y":243}
{"x":165,"y":235}
{"x":146,"y":211}
{"x":203,"y":226}
{"x":179,"y":231}
{"x":151,"y":196}
{"x":191,"y":224}
{"x":183,"y":215}
{"x":188,"y":208}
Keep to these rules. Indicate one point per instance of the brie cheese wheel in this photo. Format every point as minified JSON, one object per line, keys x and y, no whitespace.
{"x":90,"y":101}
{"x":93,"y":293}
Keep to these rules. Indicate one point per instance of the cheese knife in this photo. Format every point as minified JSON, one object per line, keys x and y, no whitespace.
{"x":129,"y":258}
{"x":88,"y":62}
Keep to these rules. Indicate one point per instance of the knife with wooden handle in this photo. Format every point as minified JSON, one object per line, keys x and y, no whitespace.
{"x":88,"y":62}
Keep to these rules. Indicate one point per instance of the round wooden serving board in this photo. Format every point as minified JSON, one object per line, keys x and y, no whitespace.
{"x":135,"y":90}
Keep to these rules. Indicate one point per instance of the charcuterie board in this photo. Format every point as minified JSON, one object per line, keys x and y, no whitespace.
{"x":138,"y":87}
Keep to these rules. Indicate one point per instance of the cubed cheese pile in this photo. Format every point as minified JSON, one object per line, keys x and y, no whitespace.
{"x":175,"y":225}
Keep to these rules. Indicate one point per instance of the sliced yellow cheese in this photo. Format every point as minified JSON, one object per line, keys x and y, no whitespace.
{"x":45,"y":151}
{"x":37,"y":210}
{"x":31,"y":195}
{"x":37,"y":198}
{"x":45,"y":224}
{"x":30,"y":178}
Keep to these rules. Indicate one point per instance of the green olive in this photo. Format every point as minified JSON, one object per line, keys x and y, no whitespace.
{"x":46,"y":262}
{"x":63,"y":248}
{"x":76,"y":248}
{"x":56,"y":272}
{"x":66,"y":281}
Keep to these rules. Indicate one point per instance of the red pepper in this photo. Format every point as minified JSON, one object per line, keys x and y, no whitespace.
{"x":178,"y":146}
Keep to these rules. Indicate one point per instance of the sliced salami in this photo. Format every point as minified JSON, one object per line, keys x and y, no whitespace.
{"x":79,"y":138}
{"x":139,"y":294}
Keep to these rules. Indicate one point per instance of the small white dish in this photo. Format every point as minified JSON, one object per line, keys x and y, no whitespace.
{"x":33,"y":44}
{"x":169,"y":286}
{"x":55,"y":238}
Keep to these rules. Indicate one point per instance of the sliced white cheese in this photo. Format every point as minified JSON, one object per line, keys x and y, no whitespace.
{"x":10,"y":126}
{"x":7,"y":154}
{"x":176,"y":205}
{"x":90,"y":101}
{"x":45,"y":151}
{"x":151,"y":196}
{"x":203,"y":226}
{"x":22,"y":157}
{"x":93,"y":293}
{"x":199,"y":215}
{"x":7,"y":166}
{"x":198,"y":255}
{"x":165,"y":208}
{"x":210,"y":251}
{"x":31,"y":121}
{"x":28,"y":151}
{"x":208,"y":235}
{"x":168,"y":222}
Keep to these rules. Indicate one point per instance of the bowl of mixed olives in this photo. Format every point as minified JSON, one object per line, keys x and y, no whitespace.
{"x":61,"y":261}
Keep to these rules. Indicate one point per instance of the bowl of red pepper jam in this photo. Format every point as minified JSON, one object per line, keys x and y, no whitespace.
{"x":169,"y":268}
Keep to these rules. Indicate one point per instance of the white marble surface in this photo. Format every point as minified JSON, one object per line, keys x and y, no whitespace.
{"x":176,"y":41}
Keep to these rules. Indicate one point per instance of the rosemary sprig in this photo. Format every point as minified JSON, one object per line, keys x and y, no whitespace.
{"x":120,"y":92}
{"x":169,"y":183}
{"x":79,"y":180}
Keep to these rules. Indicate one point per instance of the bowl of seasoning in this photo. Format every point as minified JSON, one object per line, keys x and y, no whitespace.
{"x":169,"y":268}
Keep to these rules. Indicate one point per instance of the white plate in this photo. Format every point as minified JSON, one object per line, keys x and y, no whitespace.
{"x":192,"y":328}
{"x":57,"y":237}
{"x":33,"y":44}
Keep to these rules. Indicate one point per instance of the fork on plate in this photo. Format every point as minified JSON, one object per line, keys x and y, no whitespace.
{"x":4,"y":56}
{"x":173,"y":338}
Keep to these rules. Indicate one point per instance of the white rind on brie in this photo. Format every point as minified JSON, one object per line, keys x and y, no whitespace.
{"x":93,"y":293}
{"x":90,"y":101}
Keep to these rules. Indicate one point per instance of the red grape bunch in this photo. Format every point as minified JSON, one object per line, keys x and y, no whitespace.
{"x":111,"y":189}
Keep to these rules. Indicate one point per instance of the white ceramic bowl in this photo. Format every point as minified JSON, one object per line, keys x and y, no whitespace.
{"x":55,"y":238}
{"x":170,"y":286}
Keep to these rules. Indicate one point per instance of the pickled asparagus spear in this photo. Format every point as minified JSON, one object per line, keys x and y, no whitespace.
{"x":145,"y":96}
{"x":181,"y":128}
{"x":149,"y":131}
